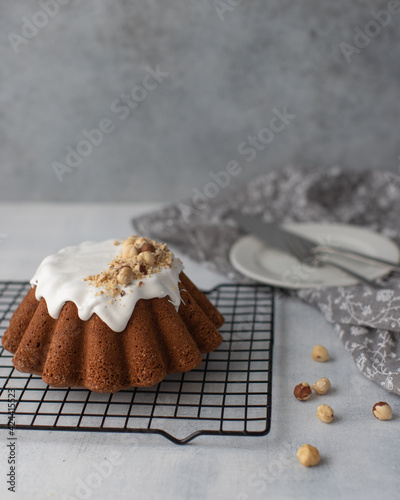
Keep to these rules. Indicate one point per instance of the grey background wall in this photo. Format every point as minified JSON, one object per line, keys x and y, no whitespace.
{"x":230,"y":64}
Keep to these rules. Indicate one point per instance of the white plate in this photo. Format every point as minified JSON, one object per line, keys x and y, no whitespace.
{"x":255,"y":259}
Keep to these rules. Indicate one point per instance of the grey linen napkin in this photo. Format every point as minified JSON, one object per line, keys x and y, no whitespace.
{"x":367,"y":321}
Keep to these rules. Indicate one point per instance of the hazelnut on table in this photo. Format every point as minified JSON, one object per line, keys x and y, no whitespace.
{"x":302,"y":391}
{"x":321,"y":386}
{"x":319,"y":353}
{"x":308,"y":455}
{"x":382,"y":411}
{"x":325,"y":413}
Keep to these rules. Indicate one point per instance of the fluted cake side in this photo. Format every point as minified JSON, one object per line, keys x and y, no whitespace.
{"x":158,"y":340}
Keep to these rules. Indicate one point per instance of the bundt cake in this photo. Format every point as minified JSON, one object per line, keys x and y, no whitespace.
{"x":112,"y":315}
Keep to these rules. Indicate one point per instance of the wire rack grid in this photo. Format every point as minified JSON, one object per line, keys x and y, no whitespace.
{"x":229,"y":394}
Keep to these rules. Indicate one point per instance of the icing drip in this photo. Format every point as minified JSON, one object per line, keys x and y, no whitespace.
{"x":60,"y":278}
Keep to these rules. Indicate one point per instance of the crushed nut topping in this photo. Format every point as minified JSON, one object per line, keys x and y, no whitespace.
{"x":139,"y":257}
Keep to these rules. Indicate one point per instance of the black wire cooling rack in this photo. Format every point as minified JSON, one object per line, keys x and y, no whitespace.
{"x":229,"y":394}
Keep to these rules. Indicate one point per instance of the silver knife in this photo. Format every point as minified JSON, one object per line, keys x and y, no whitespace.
{"x":275,"y":235}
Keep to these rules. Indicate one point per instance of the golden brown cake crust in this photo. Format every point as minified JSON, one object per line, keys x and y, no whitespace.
{"x":71,"y":352}
{"x":210,"y":310}
{"x":20,"y":321}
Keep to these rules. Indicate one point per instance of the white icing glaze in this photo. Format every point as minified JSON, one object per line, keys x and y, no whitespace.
{"x":60,"y":278}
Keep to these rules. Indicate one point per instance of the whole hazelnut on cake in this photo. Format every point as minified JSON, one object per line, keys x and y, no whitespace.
{"x":129,"y":251}
{"x":147,"y":247}
{"x":125,"y":275}
{"x":148,"y":258}
{"x":139,"y":242}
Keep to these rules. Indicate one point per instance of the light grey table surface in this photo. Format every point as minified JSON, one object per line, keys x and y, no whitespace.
{"x":360,"y":455}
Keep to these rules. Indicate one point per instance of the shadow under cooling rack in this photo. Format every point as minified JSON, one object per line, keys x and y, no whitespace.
{"x":229,"y":394}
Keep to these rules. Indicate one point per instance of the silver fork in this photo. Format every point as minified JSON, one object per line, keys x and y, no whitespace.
{"x":300,"y":250}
